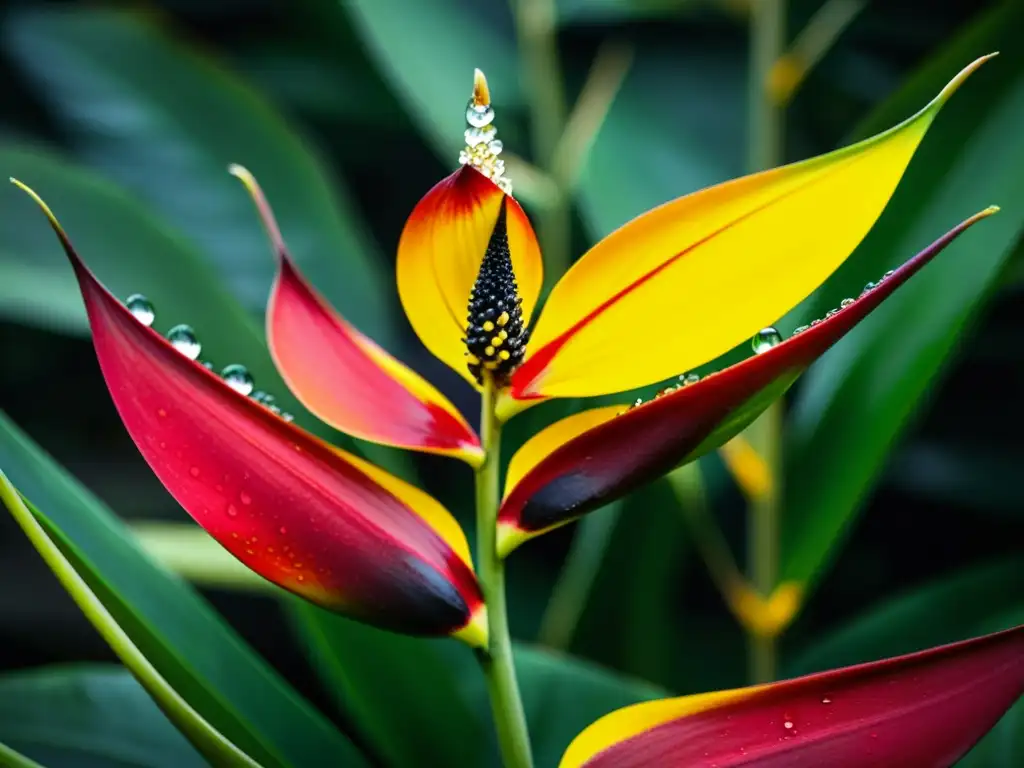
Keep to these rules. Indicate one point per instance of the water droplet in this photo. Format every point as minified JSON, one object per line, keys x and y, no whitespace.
{"x":889,"y":274}
{"x":496,"y":146}
{"x":194,"y":471}
{"x":845,"y":303}
{"x":826,"y":700}
{"x":183,"y":339}
{"x":238,"y":378}
{"x":263,"y":398}
{"x":232,"y":510}
{"x":815,"y":322}
{"x":831,"y":313}
{"x":765,"y":339}
{"x":207,"y":365}
{"x":245,"y":498}
{"x":287,"y":416}
{"x":801,"y":329}
{"x":788,"y":725}
{"x":689,"y":378}
{"x":141,"y":308}
{"x":870,"y":286}
{"x":300,"y":577}
{"x":283,"y":531}
{"x":479,"y":115}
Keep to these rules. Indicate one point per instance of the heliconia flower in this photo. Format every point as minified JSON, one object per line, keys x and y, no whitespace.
{"x":671,"y":290}
{"x":309,"y":517}
{"x":579,"y":464}
{"x":925,"y":710}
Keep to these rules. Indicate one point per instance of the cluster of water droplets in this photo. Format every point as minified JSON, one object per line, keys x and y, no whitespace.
{"x":868,"y":288}
{"x":184,"y":339}
{"x":483,"y":145}
{"x":762,"y":341}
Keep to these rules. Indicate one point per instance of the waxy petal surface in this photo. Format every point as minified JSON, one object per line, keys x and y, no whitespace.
{"x":684,"y":283}
{"x":925,"y":710}
{"x":344,"y":377}
{"x":309,"y":517}
{"x":439,"y":257}
{"x":584,"y":470}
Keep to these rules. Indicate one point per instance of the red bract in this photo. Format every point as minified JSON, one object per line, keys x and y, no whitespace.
{"x":587,"y":460}
{"x":301,"y":513}
{"x":344,"y":377}
{"x":924,"y":710}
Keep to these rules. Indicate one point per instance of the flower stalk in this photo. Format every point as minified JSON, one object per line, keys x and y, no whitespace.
{"x":496,"y":661}
{"x":766,"y":131}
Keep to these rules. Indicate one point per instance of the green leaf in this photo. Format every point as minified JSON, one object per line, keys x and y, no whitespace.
{"x":198,"y":654}
{"x":397,"y":690}
{"x":947,"y":610}
{"x":855,"y":403}
{"x":88,"y":715}
{"x":10,"y":758}
{"x":166,"y":120}
{"x":204,"y":737}
{"x":562,"y":695}
{"x":383,"y":682}
{"x":405,"y":38}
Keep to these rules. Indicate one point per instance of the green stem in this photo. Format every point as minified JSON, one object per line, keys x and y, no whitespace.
{"x":767,"y":43}
{"x":536,"y":32}
{"x":496,"y":661}
{"x":572,"y":590}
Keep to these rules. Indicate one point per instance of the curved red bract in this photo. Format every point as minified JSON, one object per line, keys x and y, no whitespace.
{"x":350,"y":382}
{"x":614,"y":457}
{"x":289,"y":506}
{"x":925,"y":710}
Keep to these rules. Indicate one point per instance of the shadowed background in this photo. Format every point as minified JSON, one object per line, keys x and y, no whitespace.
{"x":903,"y":503}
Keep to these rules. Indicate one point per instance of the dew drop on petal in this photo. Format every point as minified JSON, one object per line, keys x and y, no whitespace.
{"x":141,"y":308}
{"x":283,"y":531}
{"x":263,"y":398}
{"x":870,"y":286}
{"x":194,"y":471}
{"x":889,"y":274}
{"x":287,"y":416}
{"x":245,"y":498}
{"x":238,"y":378}
{"x":845,"y":303}
{"x":183,"y":339}
{"x":788,"y":725}
{"x":765,"y":339}
{"x":207,"y":365}
{"x":801,"y":329}
{"x":826,"y":700}
{"x":232,"y":510}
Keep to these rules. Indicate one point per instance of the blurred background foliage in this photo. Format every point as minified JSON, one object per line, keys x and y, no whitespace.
{"x":903,"y":505}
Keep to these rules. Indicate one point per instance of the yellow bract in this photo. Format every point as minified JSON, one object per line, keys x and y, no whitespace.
{"x":686,"y":282}
{"x":439,"y":257}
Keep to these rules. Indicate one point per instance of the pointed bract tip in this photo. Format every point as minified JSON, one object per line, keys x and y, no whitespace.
{"x":263,"y":208}
{"x":508,"y":538}
{"x":481,"y":93}
{"x":962,"y":75}
{"x":54,"y":224}
{"x":474,"y":633}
